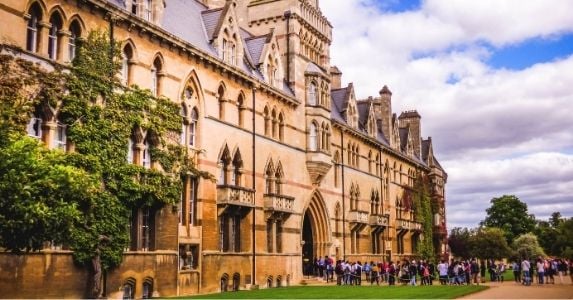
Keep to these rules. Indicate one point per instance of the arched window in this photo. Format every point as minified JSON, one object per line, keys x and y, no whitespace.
{"x":183,"y":113}
{"x":237,"y":169}
{"x":129,"y":289}
{"x":34,"y":128}
{"x":54,"y":35}
{"x":130,"y":156}
{"x":240,"y":110}
{"x":369,"y":161}
{"x":275,"y":123}
{"x":147,"y":291}
{"x":75,"y":34}
{"x":336,"y":219}
{"x":126,"y":56}
{"x":281,"y":127}
{"x":311,"y":94}
{"x":193,"y":127}
{"x":224,"y":162}
{"x":60,"y":136}
{"x":33,"y":28}
{"x":327,"y":139}
{"x":267,"y":117}
{"x":221,"y":100}
{"x":269,"y":179}
{"x":312,"y":137}
{"x":349,"y":154}
{"x":278,"y":180}
{"x":146,"y":160}
{"x":155,"y":79}
{"x":236,"y":281}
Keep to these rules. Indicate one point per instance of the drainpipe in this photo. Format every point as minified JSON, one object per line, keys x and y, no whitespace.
{"x":253,"y":270}
{"x":343,"y":185}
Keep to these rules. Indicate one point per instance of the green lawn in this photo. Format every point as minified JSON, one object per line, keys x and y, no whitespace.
{"x":350,"y":292}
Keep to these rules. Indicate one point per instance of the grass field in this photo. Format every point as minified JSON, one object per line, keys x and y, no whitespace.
{"x":350,"y":292}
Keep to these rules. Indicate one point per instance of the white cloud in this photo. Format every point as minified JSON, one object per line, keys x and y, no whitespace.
{"x":496,"y":131}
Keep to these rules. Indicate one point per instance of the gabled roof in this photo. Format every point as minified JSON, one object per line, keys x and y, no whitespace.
{"x":339,"y":102}
{"x":255,"y":47}
{"x":212,"y":20}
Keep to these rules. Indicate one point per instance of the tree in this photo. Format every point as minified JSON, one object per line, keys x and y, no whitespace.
{"x":459,"y":242}
{"x":527,"y":246}
{"x":555,"y":219}
{"x":547,"y":236}
{"x":488,"y":243}
{"x":509,"y":214}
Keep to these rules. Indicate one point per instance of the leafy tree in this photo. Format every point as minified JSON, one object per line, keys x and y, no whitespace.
{"x":488,"y":243}
{"x":547,"y":236}
{"x":564,"y":241}
{"x":527,"y":246}
{"x":509,"y":214}
{"x":555,"y":219}
{"x":82,"y":199}
{"x":459,"y":242}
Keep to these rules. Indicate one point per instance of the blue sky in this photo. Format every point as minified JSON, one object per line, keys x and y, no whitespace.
{"x":493,"y":81}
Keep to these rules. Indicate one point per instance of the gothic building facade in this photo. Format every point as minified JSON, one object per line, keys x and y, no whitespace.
{"x":304,"y":169}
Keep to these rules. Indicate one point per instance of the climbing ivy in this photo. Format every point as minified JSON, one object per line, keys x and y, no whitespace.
{"x":424,"y":215}
{"x":101,"y":116}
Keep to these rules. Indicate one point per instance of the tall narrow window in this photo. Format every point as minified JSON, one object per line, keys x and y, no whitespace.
{"x":33,"y":28}
{"x":146,"y":162}
{"x":147,"y":14}
{"x":193,"y":201}
{"x":240,"y":110}
{"x":279,"y":236}
{"x":75,"y":33}
{"x":145,"y":229}
{"x":275,"y":123}
{"x":267,"y":121}
{"x":60,"y":137}
{"x":312,"y":137}
{"x":281,"y":127}
{"x":311,"y":94}
{"x":183,"y":113}
{"x":278,"y":180}
{"x":269,"y":179}
{"x":130,"y":151}
{"x":224,"y":50}
{"x":54,"y":35}
{"x":193,"y":127}
{"x":336,"y":168}
{"x":221,"y":100}
{"x":34,"y":127}
{"x":237,"y":169}
{"x":155,"y":71}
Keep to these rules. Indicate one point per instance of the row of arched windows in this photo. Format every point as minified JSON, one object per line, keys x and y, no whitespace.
{"x":274,"y":123}
{"x":274,"y":178}
{"x":318,"y":96}
{"x":354,"y":196}
{"x":353,"y":154}
{"x":60,"y":40}
{"x":311,"y":47}
{"x":128,"y":59}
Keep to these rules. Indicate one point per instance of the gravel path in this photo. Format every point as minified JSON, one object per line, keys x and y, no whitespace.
{"x":512,"y":290}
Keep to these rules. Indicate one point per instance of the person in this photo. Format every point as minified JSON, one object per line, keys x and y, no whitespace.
{"x":571,"y":270}
{"x":339,"y":272}
{"x":358,"y":273}
{"x":562,"y":269}
{"x":374,"y":273}
{"x":491,"y":270}
{"x":392,"y":273}
{"x":443,"y":272}
{"x":482,"y":270}
{"x":474,"y":270}
{"x":500,"y":271}
{"x":413,"y":271}
{"x":327,"y":268}
{"x":525,"y":268}
{"x":367,"y":269}
{"x":425,"y":274}
{"x":432,"y":270}
{"x":516,"y":271}
{"x":540,"y":270}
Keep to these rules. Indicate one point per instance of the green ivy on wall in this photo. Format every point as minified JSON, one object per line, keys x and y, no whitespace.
{"x":424,"y":215}
{"x":93,"y":188}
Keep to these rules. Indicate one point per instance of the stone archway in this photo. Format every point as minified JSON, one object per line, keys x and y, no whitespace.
{"x":315,"y":235}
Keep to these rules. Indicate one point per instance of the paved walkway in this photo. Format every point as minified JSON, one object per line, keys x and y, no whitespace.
{"x":512,"y":290}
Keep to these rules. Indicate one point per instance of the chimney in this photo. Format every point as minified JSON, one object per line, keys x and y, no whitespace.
{"x":412,"y":119}
{"x":383,"y":110}
{"x":335,"y":78}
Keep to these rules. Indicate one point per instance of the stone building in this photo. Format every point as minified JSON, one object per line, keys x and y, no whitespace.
{"x":304,"y":168}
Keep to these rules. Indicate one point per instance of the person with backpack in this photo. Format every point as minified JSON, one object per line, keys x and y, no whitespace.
{"x":392,"y":273}
{"x":525,"y":269}
{"x":374,"y":276}
{"x":339,"y":272}
{"x":412,"y":270}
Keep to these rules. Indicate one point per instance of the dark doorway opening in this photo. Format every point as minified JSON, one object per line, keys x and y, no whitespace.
{"x":307,"y":247}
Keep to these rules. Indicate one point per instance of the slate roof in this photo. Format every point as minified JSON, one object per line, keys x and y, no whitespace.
{"x":211,"y":20}
{"x":363,"y":110}
{"x":403,"y":137}
{"x":255,"y":47}
{"x":339,"y":101}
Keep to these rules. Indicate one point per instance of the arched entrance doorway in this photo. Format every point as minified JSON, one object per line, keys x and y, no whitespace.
{"x":315,"y":237}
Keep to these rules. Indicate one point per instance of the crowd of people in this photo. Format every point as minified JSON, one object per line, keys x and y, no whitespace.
{"x":425,"y":272}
